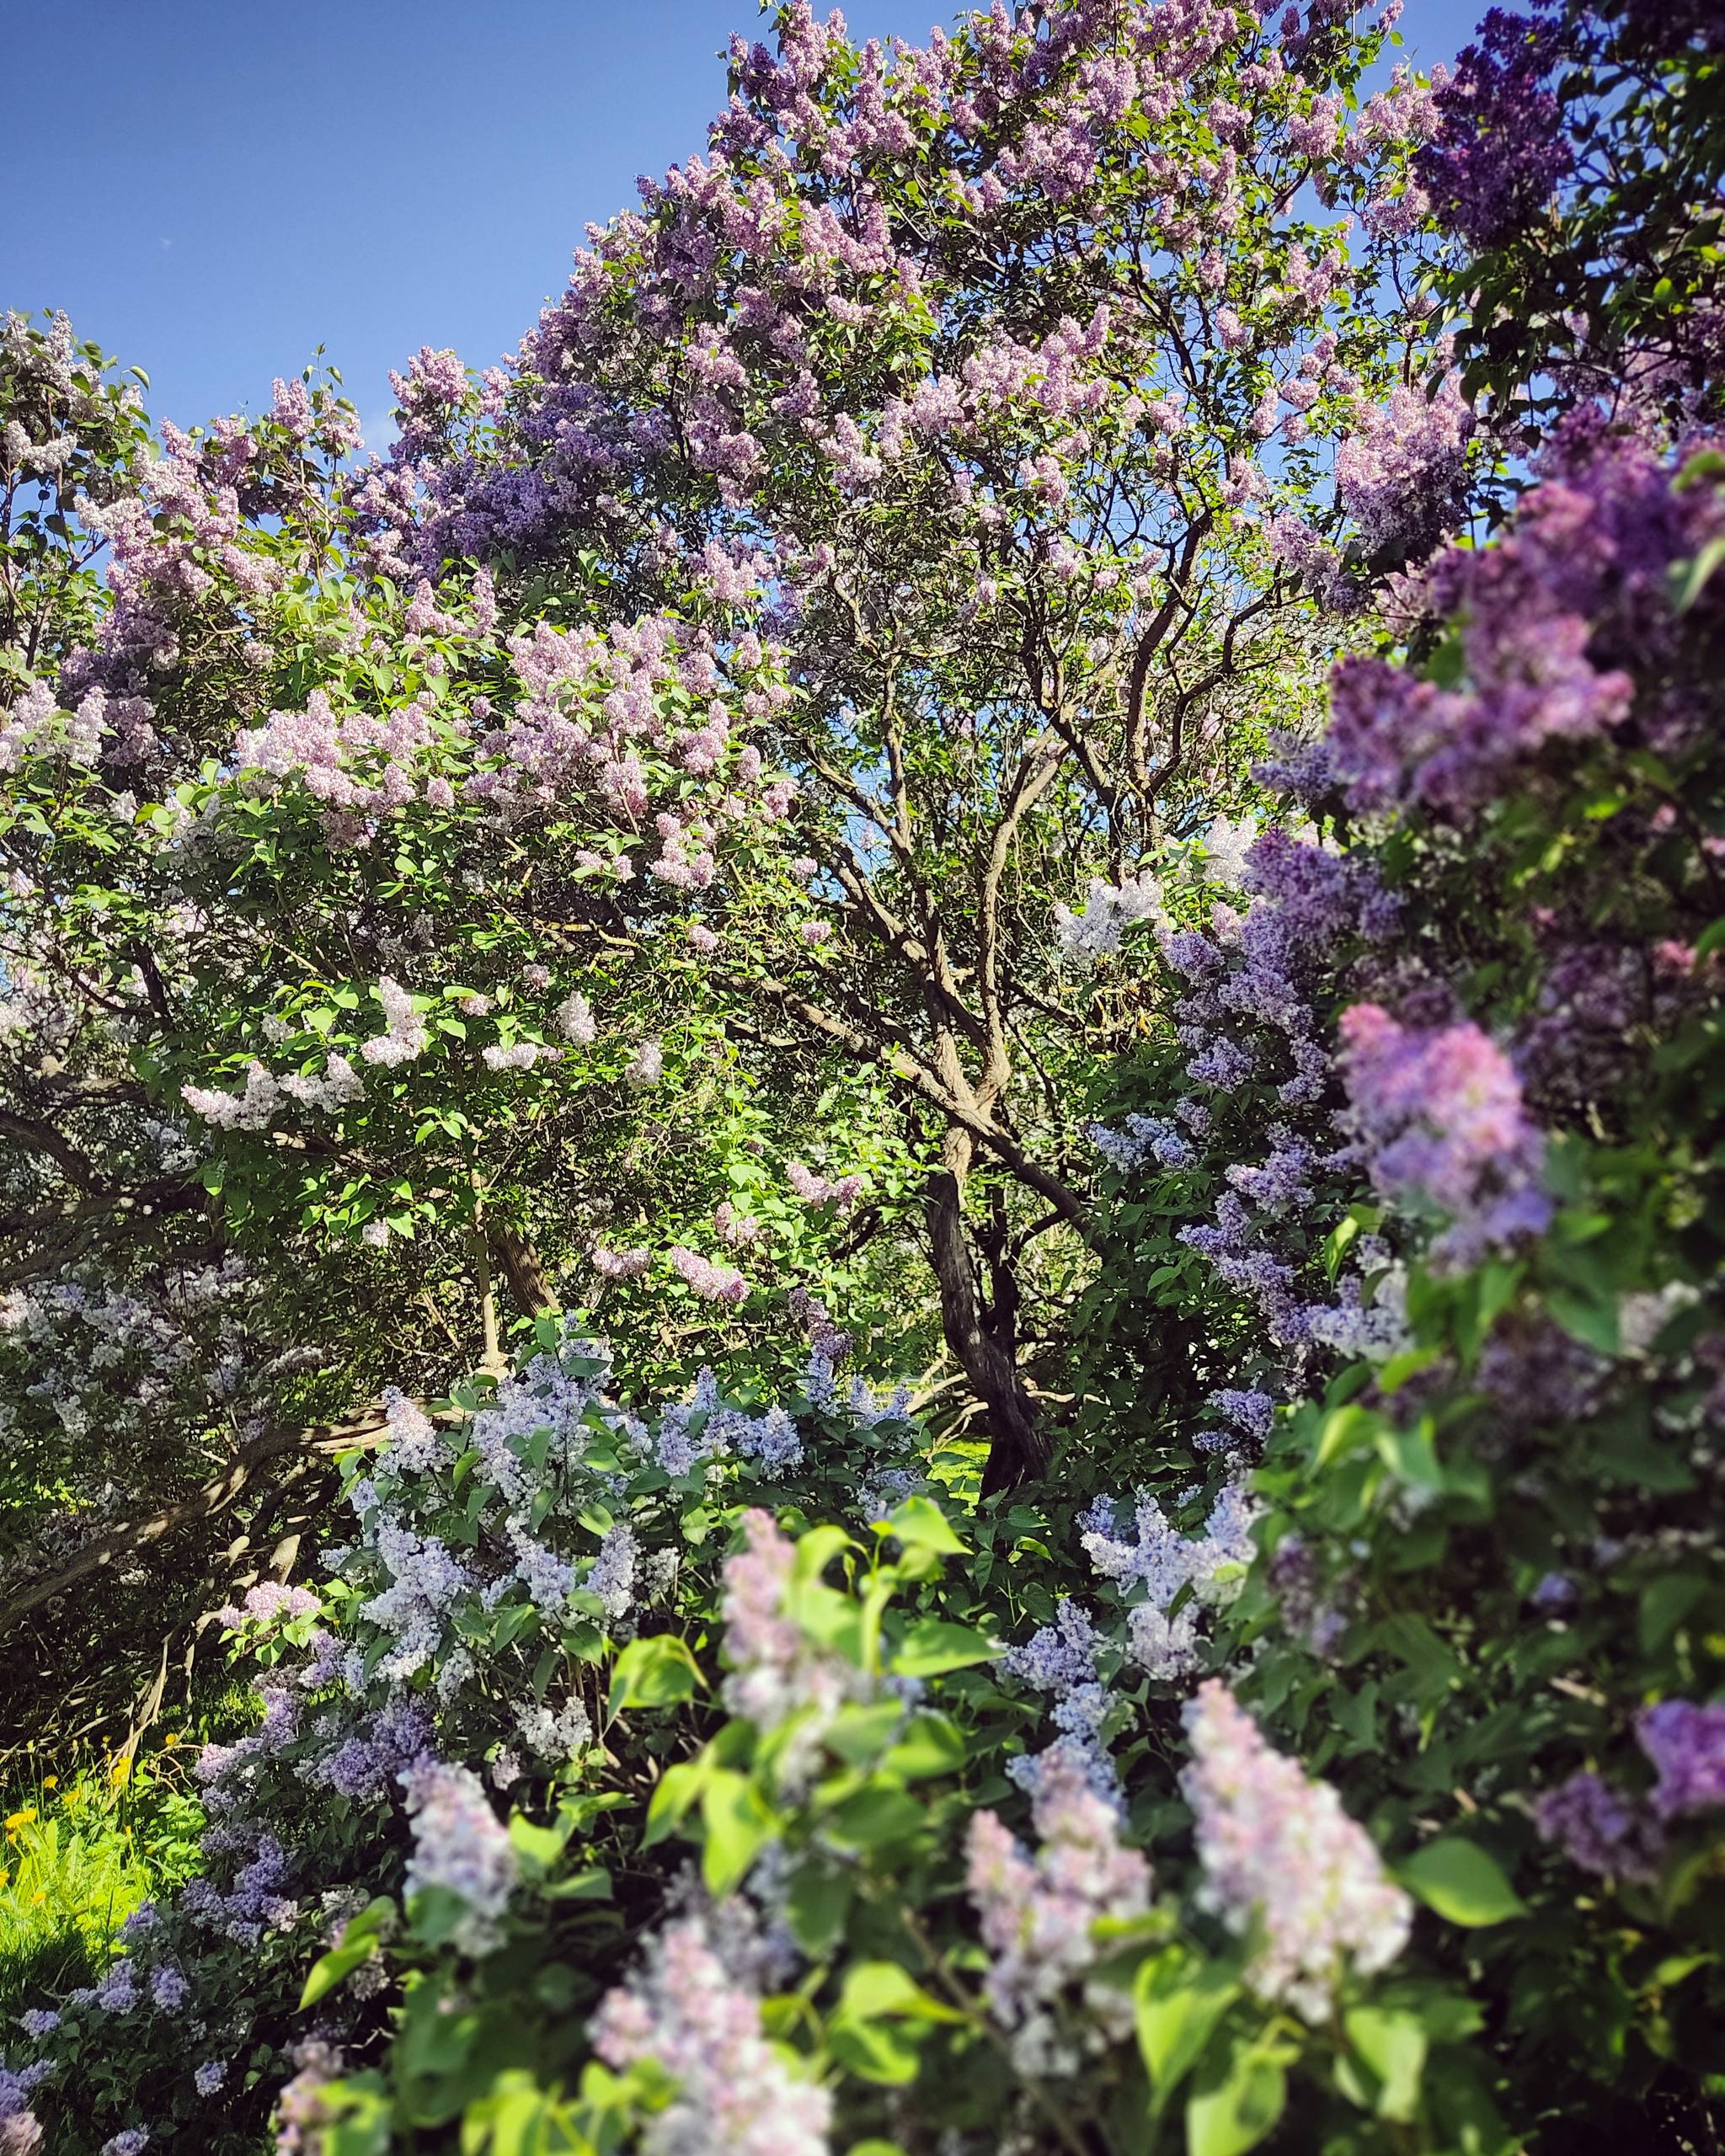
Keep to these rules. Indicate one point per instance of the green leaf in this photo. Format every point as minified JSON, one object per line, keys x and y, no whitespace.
{"x":873,"y":2051}
{"x":588,"y":1885}
{"x":859,"y":1734}
{"x":1344,"y":1430}
{"x":873,"y":1817}
{"x":1664,"y":1603}
{"x":332,"y":1968}
{"x":358,"y":1936}
{"x":1409,"y":1455}
{"x":818,"y":1903}
{"x":932,"y":1744}
{"x":1177,"y":2000}
{"x":656,"y":1671}
{"x":1459,"y":1880}
{"x":932,"y":1645}
{"x":815,"y":1551}
{"x":540,"y":1846}
{"x":738,"y":1823}
{"x":679,"y":1789}
{"x":920,"y":1523}
{"x":1591,"y":1319}
{"x":872,"y":1988}
{"x":1393,"y":2045}
{"x":1237,"y":2105}
{"x":1690,"y":578}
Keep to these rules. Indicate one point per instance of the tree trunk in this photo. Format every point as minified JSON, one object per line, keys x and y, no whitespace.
{"x":529,"y":1289}
{"x":981,"y":1331}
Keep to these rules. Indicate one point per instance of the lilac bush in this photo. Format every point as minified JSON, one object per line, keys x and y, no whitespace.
{"x":767,"y":814}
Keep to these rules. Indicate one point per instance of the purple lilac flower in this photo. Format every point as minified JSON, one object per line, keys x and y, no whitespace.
{"x":775,"y":1672}
{"x":1686,"y":1745}
{"x":1160,"y":1561}
{"x":1441,"y":1113}
{"x":1501,"y":146}
{"x":460,"y":1845}
{"x":1292,"y":1576}
{"x":1554,"y":620}
{"x":1400,"y":475}
{"x":117,"y":1992}
{"x":1252,"y":1413}
{"x":209,"y":2076}
{"x":131,"y":2142}
{"x":301,"y":2109}
{"x":1145,"y":1137}
{"x":1600,"y":1829}
{"x":1061,"y":1658}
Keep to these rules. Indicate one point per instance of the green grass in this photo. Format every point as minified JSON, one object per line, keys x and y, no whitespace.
{"x":77,"y":1860}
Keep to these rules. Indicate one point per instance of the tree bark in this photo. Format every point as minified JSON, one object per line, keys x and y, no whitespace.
{"x":519,"y":1261}
{"x":216,"y":1497}
{"x":981,"y":1330}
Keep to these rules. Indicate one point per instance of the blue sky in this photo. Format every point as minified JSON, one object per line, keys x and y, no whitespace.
{"x":216,"y":187}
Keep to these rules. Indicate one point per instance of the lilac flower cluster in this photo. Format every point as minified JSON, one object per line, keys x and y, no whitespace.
{"x":734,"y":2094}
{"x":1600,"y":1829}
{"x":272,"y":1601}
{"x":20,"y":2129}
{"x":1250,"y":1414}
{"x":1159,"y":1563}
{"x":770,"y":1439}
{"x":1144,"y":1137}
{"x":841,"y":1193}
{"x":1037,"y":1914}
{"x":1606,"y":1830}
{"x":1317,"y":1620}
{"x":1552,"y":622}
{"x":778,"y":1672}
{"x":1400,"y":475}
{"x":1500,"y":146}
{"x":1686,"y":1745}
{"x":1284,"y":1864}
{"x":460,"y":1846}
{"x":714,"y":1282}
{"x":1440,"y":1113}
{"x":1060,"y":1658}
{"x":1109,"y":912}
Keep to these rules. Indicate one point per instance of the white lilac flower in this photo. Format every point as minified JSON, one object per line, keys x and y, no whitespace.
{"x":1284,"y":1864}
{"x":612,"y":1576}
{"x":550,"y":1736}
{"x":404,"y":1035}
{"x":1109,"y":910}
{"x":734,"y":2093}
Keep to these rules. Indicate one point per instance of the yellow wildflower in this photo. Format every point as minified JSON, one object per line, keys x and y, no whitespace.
{"x":17,"y":1819}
